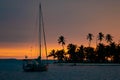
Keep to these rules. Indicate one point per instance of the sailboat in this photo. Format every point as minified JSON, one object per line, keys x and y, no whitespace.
{"x":37,"y":64}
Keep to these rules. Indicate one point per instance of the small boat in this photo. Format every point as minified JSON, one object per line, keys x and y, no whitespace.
{"x":34,"y":65}
{"x":31,"y":65}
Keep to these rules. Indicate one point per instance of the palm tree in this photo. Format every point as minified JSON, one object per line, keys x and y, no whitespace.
{"x":89,"y":37}
{"x":60,"y":55}
{"x":90,"y":54}
{"x":81,"y":53}
{"x":100,"y":36}
{"x":72,"y":52}
{"x":109,"y":38}
{"x":61,"y":40}
{"x":101,"y":51}
{"x":52,"y":54}
{"x":113,"y":52}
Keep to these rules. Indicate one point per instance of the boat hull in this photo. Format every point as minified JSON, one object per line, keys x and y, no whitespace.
{"x":31,"y":66}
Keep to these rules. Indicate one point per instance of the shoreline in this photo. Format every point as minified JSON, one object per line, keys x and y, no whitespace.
{"x":86,"y":64}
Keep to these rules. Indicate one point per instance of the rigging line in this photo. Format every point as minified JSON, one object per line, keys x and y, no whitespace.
{"x":33,"y":29}
{"x":36,"y":30}
{"x":44,"y":35}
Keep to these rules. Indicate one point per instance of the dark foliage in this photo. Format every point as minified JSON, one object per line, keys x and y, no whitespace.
{"x":101,"y":54}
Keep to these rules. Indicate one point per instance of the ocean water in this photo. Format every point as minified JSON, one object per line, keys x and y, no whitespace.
{"x":12,"y":70}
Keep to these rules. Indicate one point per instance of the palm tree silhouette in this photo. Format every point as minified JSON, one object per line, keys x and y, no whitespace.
{"x":101,"y":51}
{"x":52,"y":54}
{"x":61,"y":40}
{"x":81,"y":53}
{"x":89,"y":37}
{"x":109,"y":38}
{"x":100,"y":36}
{"x":90,"y":54}
{"x":72,"y":52}
{"x":60,"y":55}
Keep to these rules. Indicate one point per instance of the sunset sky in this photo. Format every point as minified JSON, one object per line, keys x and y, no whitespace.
{"x":73,"y":19}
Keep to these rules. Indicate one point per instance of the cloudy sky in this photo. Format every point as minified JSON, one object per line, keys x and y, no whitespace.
{"x":73,"y":19}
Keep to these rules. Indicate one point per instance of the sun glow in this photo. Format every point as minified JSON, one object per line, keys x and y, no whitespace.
{"x":109,"y":58}
{"x":19,"y":52}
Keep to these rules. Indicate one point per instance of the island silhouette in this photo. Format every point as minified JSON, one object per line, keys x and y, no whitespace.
{"x":101,"y":53}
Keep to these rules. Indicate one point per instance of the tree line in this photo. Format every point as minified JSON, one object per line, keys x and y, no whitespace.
{"x":102,"y":53}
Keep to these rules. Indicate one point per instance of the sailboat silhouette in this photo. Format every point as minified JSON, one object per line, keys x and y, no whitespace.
{"x":37,"y":64}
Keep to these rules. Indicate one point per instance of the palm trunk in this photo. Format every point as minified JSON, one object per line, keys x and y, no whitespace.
{"x":89,"y":43}
{"x":63,"y":46}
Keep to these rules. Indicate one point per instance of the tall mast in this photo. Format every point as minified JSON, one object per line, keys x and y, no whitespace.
{"x":40,"y":25}
{"x":41,"y":29}
{"x":44,"y":36}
